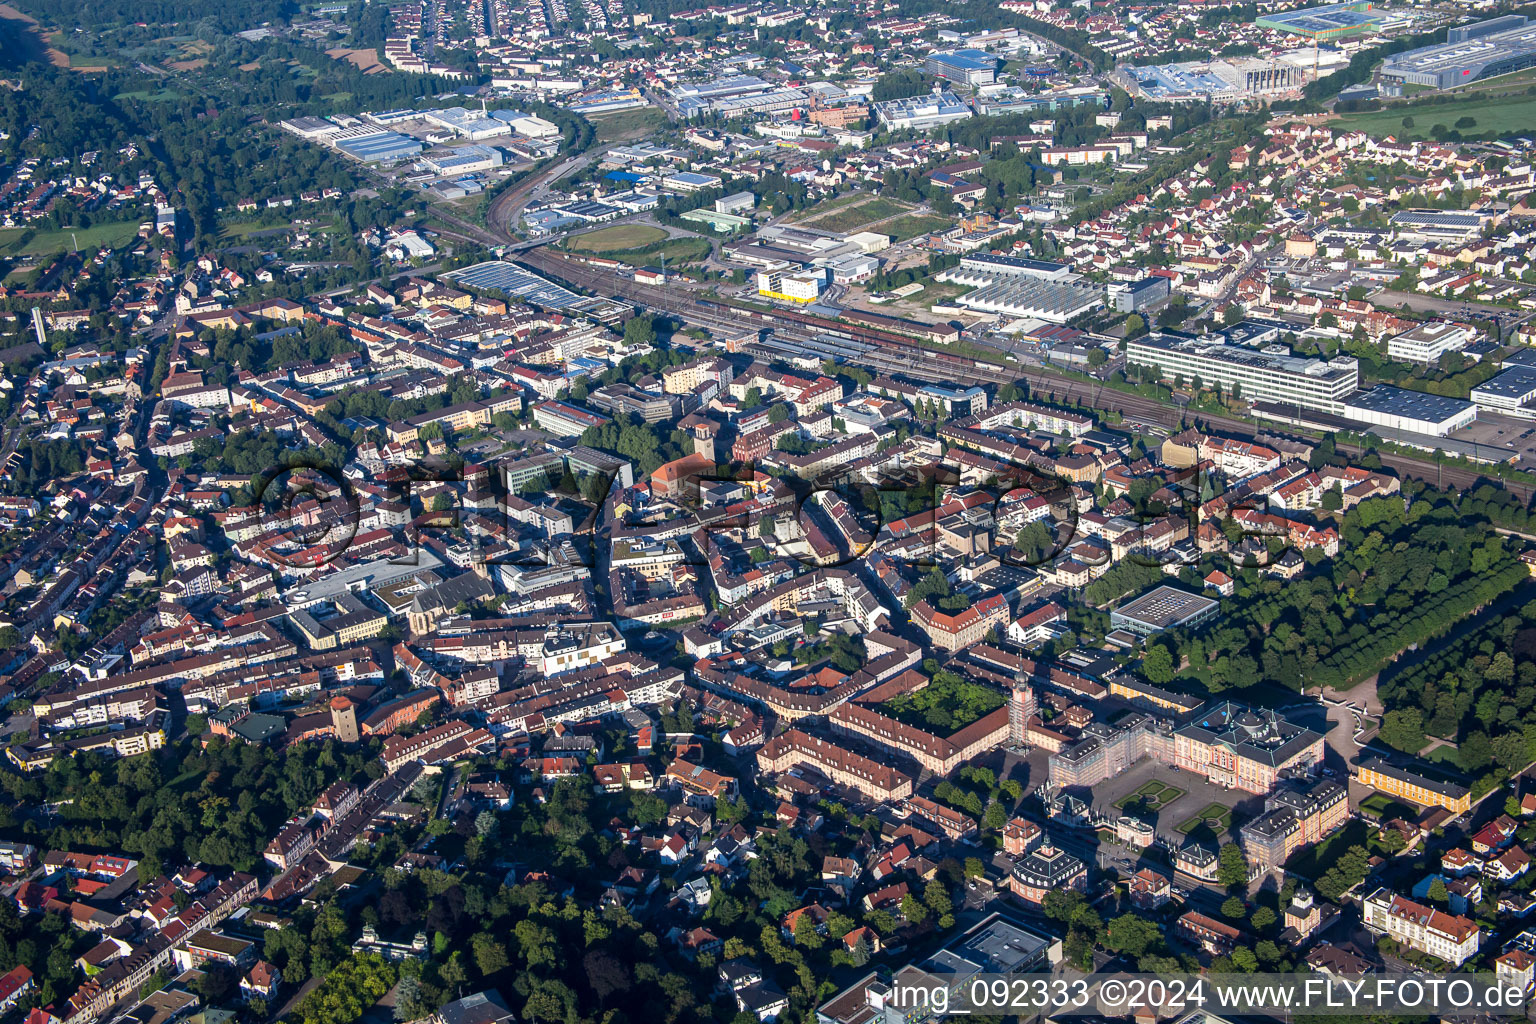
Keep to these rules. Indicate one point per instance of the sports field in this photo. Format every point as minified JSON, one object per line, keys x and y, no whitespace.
{"x":15,"y":241}
{"x":618,"y":238}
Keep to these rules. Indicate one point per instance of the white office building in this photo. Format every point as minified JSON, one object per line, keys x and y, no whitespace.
{"x":1427,"y":342}
{"x":1271,"y":374}
{"x":920,"y":112}
{"x":792,"y":285}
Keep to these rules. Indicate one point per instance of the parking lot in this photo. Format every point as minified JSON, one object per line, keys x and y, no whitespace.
{"x":1505,"y":433}
{"x":1198,"y":795}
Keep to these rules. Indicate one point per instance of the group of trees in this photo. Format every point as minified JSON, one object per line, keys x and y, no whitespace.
{"x":982,"y":794}
{"x":947,"y":703}
{"x":48,"y":947}
{"x":568,"y":963}
{"x":218,"y":805}
{"x":1479,"y":691}
{"x":936,"y":589}
{"x":1402,"y":577}
{"x":647,"y":445}
{"x":348,"y":991}
{"x":44,"y":461}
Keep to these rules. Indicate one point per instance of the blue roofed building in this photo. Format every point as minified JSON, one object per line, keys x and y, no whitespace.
{"x":380,"y":147}
{"x":964,"y":67}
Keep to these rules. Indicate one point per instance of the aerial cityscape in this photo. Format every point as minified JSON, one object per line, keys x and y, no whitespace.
{"x":852,"y":512}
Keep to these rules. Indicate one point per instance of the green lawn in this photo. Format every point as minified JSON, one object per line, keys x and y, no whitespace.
{"x":1153,"y":796}
{"x":678,"y":250}
{"x":1312,"y":861}
{"x":857,"y":216}
{"x":15,"y":241}
{"x":1444,"y":755}
{"x":915,"y":224}
{"x":1220,"y":814}
{"x":1495,"y":116}
{"x":1385,"y":808}
{"x":937,"y":291}
{"x":618,"y":238}
{"x":627,"y":124}
{"x":150,"y":96}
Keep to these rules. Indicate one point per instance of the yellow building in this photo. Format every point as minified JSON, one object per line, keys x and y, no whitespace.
{"x":800,"y":287}
{"x":1407,"y":785}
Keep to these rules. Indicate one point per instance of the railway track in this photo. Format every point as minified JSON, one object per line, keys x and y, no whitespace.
{"x":894,"y":355}
{"x":883,"y":349}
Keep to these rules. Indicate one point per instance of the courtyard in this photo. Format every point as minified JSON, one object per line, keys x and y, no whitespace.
{"x":1183,"y":807}
{"x":1149,"y":798}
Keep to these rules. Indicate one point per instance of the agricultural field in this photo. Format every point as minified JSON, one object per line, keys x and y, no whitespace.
{"x":618,"y":238}
{"x":366,"y":61}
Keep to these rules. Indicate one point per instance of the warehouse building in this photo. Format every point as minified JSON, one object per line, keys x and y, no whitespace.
{"x":775,"y":101}
{"x":1415,"y":411}
{"x":1055,"y":302}
{"x":1234,"y":79}
{"x":310,"y":128}
{"x":380,"y":147}
{"x":1017,"y":266}
{"x":526,"y":124}
{"x":1511,"y":392}
{"x":1015,"y":286}
{"x":1270,"y":374}
{"x":1322,"y":24}
{"x":695,"y":98}
{"x":1470,"y":53}
{"x":1438,"y":225}
{"x":464,"y":160}
{"x":470,"y":124}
